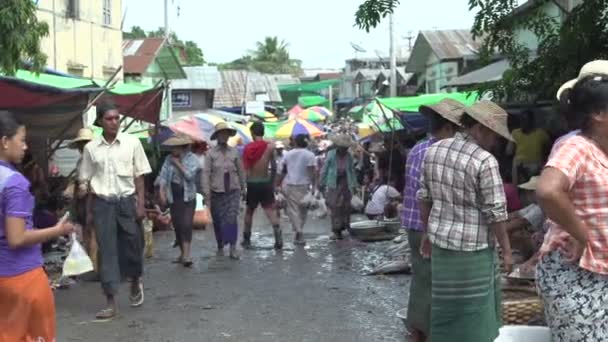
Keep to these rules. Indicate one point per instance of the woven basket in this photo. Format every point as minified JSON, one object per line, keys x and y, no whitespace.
{"x":520,"y":306}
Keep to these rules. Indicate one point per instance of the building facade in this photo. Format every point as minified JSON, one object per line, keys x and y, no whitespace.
{"x":85,"y":37}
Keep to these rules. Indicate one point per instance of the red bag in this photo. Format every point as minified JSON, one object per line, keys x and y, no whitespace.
{"x":202,"y":218}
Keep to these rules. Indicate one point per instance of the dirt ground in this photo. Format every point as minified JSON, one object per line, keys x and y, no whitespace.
{"x":315,"y":293}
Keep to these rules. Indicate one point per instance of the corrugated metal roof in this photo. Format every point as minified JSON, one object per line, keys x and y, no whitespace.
{"x":489,"y":73}
{"x":199,"y":77}
{"x":138,"y":54}
{"x":445,"y":44}
{"x":452,"y":44}
{"x":401,"y":75}
{"x":233,"y":88}
{"x":281,"y":79}
{"x":367,"y":74}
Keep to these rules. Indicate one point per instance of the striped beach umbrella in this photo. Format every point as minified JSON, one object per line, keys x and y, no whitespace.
{"x":311,"y":115}
{"x":293,"y":127}
{"x":242,"y":137}
{"x":266,"y":117}
{"x":322,"y":110}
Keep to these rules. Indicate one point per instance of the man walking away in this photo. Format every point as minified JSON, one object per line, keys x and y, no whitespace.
{"x":299,"y":171}
{"x":114,"y":166}
{"x":258,"y":161}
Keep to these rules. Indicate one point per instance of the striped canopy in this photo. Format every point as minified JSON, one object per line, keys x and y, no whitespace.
{"x":266,"y":116}
{"x":311,"y":115}
{"x":294,"y":127}
{"x":321,"y":110}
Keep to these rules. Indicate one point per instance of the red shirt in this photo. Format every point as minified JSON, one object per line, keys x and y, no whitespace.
{"x":513,"y":202}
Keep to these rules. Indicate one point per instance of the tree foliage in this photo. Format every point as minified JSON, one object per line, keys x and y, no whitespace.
{"x":371,"y":13}
{"x":21,"y":36}
{"x":270,"y":56}
{"x":565,"y":42}
{"x":194,"y":54}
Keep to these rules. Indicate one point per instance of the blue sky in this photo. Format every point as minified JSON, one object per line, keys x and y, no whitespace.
{"x":318,"y":31}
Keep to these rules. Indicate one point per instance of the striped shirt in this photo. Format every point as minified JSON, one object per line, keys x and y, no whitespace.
{"x":463,"y":183}
{"x":410,"y":217}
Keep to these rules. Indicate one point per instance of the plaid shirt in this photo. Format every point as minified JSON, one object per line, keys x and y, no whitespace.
{"x":586,"y":167}
{"x":463,"y":182}
{"x":170,"y":174}
{"x":410,"y":218}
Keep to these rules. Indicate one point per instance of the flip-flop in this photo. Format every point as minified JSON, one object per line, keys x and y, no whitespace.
{"x":187,"y":263}
{"x":106,"y":314}
{"x":138,"y":299}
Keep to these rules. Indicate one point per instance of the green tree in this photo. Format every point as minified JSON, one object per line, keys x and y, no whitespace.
{"x":194,"y":54}
{"x":20,"y":37}
{"x":565,"y":42}
{"x":136,"y":33}
{"x":270,"y":56}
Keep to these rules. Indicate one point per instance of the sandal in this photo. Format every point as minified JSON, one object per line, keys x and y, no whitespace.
{"x":187,"y":263}
{"x":137,"y":300}
{"x":106,"y":314}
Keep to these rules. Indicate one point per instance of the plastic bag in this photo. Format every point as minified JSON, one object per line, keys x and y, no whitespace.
{"x":202,"y":217}
{"x":308,"y":201}
{"x":356,"y":203}
{"x":280,"y":201}
{"x":77,"y":262}
{"x":321,"y":211}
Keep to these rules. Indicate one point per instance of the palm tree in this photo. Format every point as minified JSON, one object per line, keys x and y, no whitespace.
{"x":272,"y":56}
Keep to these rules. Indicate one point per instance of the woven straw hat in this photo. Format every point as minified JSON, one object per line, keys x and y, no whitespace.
{"x":531,"y":184}
{"x":84,"y":134}
{"x":178,"y":140}
{"x":597,"y":67}
{"x":342,"y":140}
{"x":448,"y":109}
{"x":222,"y":126}
{"x":491,"y":116}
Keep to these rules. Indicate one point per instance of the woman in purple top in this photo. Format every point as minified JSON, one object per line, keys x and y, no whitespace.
{"x":27,"y":308}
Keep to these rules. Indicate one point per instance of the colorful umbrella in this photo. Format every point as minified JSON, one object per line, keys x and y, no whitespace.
{"x":295,"y":110}
{"x":321,"y":110}
{"x":266,"y":117}
{"x":311,"y":115}
{"x":242,"y":137}
{"x":293,"y":127}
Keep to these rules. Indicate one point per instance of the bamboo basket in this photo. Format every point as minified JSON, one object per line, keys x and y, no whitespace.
{"x":520,"y":306}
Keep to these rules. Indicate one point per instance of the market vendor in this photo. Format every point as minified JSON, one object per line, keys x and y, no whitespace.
{"x":464,"y":209}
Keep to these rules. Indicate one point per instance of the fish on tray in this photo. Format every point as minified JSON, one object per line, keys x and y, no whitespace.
{"x":393,"y":267}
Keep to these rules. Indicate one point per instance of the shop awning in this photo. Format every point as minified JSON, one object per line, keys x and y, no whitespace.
{"x":308,"y":87}
{"x":411,"y":104}
{"x":489,"y":73}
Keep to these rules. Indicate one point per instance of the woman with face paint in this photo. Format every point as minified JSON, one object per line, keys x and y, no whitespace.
{"x":339,"y":180}
{"x":223,"y":183}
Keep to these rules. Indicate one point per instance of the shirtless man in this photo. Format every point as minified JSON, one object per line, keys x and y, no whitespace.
{"x":261,"y":169}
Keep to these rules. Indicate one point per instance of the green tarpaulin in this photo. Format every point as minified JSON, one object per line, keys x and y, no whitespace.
{"x":310,"y":87}
{"x":411,"y":104}
{"x":309,"y":101}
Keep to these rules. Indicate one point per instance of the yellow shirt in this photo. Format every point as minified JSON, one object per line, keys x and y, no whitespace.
{"x":530,"y":148}
{"x":111,"y":169}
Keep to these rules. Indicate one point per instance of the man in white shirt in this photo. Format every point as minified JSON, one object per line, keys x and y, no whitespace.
{"x":113,"y":166}
{"x":299,"y":173}
{"x":383,"y":195}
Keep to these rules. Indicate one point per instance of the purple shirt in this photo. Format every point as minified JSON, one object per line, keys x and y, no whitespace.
{"x":16,"y":201}
{"x":410,"y":218}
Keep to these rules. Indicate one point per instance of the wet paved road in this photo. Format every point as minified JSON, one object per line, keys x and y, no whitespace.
{"x":316,"y":293}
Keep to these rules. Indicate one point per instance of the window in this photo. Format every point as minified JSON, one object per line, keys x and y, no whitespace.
{"x":107,"y":12}
{"x":181,"y":99}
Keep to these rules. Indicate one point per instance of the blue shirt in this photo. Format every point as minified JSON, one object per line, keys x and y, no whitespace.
{"x":169,"y":174}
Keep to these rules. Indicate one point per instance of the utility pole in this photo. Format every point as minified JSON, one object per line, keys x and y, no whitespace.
{"x":168,"y":92}
{"x":393,"y":56}
{"x":167,"y":19}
